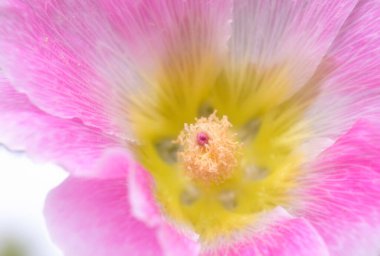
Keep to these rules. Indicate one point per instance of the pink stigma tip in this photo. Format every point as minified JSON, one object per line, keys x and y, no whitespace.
{"x":202,"y":138}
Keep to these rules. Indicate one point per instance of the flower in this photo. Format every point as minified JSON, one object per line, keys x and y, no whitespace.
{"x":192,"y":127}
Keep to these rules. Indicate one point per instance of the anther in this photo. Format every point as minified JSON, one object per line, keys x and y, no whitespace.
{"x":189,"y":196}
{"x":167,"y":150}
{"x":209,"y":149}
{"x":253,"y":172}
{"x":228,"y":199}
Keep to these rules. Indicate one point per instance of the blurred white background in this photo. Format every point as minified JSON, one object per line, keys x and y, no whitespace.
{"x":24,"y":185}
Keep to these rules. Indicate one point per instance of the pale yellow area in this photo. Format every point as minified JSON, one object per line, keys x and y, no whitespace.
{"x":269,"y":126}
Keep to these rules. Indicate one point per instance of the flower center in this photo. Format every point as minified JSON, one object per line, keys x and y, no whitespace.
{"x":209,"y":149}
{"x":206,"y":177}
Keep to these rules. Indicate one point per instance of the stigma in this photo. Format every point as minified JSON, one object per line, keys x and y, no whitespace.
{"x":209,"y":150}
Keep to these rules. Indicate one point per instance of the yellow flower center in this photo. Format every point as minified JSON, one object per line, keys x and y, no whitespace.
{"x":210,"y":149}
{"x":217,"y":174}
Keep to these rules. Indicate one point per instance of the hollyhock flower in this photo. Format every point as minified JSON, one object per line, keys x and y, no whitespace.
{"x":194,"y":127}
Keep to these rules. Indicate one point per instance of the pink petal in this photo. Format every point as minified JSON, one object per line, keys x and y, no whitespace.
{"x":174,"y":243}
{"x":154,"y":30}
{"x":114,"y":163}
{"x":294,"y":34}
{"x":67,"y":142}
{"x":352,"y":89}
{"x":341,"y":197}
{"x":281,"y":234}
{"x":356,"y":50}
{"x":92,"y":216}
{"x":145,"y":208}
{"x":141,"y":196}
{"x":50,"y":65}
{"x":84,"y":59}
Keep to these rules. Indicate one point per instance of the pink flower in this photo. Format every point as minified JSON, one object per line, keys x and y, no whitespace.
{"x":199,"y":127}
